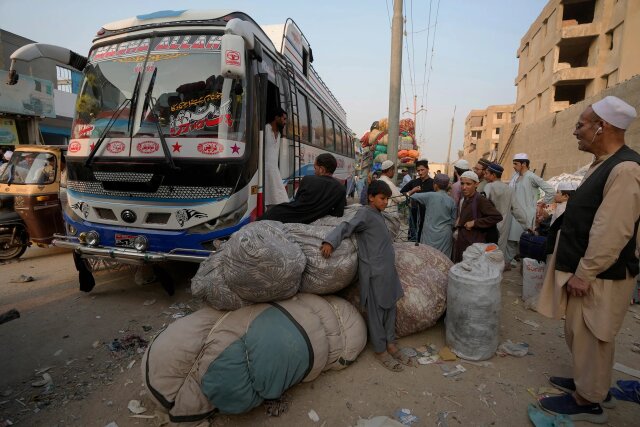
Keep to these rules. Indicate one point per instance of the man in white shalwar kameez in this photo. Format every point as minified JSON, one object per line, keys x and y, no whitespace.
{"x":503,"y":198}
{"x":525,"y":185}
{"x":274,"y":192}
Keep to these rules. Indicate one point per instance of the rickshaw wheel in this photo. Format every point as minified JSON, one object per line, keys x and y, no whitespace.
{"x":6,"y":251}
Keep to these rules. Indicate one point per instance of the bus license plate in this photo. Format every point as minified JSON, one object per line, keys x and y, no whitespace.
{"x":125,"y":240}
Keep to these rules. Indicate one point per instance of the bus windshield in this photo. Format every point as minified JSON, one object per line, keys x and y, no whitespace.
{"x":169,"y":85}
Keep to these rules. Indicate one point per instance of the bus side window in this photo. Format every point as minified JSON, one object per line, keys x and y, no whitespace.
{"x":303,"y":116}
{"x":340,"y":141}
{"x":331,"y":136}
{"x":317,"y":124}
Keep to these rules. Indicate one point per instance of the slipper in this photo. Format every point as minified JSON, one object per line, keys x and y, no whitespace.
{"x":389,"y":362}
{"x":402,"y":357}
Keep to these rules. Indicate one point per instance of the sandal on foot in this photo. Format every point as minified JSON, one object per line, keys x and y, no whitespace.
{"x":402,"y":357}
{"x":389,"y":362}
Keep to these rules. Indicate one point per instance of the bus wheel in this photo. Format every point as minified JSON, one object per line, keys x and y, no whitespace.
{"x":165,"y":280}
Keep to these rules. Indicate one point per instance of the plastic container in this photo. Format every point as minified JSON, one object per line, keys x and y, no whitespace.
{"x":473,"y":303}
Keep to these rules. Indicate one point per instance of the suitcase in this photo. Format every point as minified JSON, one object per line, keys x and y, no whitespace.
{"x":532,"y":246}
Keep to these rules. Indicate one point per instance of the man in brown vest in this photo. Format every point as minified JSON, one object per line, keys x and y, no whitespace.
{"x":592,"y":270}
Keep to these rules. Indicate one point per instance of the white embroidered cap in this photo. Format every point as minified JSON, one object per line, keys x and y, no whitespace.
{"x":386,"y":165}
{"x":615,"y":111}
{"x":567,"y":186}
{"x":470,"y":175}
{"x":521,"y":156}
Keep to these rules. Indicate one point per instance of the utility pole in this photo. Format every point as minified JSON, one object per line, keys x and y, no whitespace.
{"x":446,"y":167}
{"x":394,"y":84}
{"x":415,"y":112}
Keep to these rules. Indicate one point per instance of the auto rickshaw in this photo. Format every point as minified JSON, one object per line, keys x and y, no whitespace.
{"x":33,"y":178}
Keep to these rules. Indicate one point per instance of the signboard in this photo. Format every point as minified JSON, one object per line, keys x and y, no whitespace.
{"x":31,"y":96}
{"x":8,"y":134}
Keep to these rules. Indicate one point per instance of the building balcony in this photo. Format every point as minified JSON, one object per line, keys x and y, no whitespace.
{"x":579,"y":30}
{"x":572,"y":74}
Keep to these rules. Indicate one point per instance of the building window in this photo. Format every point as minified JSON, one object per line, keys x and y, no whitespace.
{"x":539,"y":101}
{"x":63,"y":79}
{"x":476,"y":134}
{"x":542,"y":65}
{"x":610,"y":38}
{"x":579,"y":12}
{"x":496,"y":131}
{"x":498,"y":116}
{"x":544,"y":27}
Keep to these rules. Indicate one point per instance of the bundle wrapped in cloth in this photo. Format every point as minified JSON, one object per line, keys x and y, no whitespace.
{"x":230,"y":362}
{"x":423,"y":275}
{"x":270,"y":261}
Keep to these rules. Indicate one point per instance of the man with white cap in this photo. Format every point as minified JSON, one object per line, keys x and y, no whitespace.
{"x":564,"y":191}
{"x":459,"y":167}
{"x":502,"y":197}
{"x":525,"y":186}
{"x":388,"y":171}
{"x":477,"y":217}
{"x":592,"y":270}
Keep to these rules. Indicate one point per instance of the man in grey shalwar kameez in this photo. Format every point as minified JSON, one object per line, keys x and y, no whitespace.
{"x":502,"y":197}
{"x":380,"y":287}
{"x":440,"y":215}
{"x":525,"y":185}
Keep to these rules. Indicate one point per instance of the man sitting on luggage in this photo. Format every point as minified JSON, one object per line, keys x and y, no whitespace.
{"x":318,"y":195}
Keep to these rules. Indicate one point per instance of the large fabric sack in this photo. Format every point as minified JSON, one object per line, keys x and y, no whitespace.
{"x":210,"y":284}
{"x":261,"y":264}
{"x":423,"y":275}
{"x":323,"y":275}
{"x":392,"y":219}
{"x":229,"y":362}
{"x":473,"y":303}
{"x":532,"y":279}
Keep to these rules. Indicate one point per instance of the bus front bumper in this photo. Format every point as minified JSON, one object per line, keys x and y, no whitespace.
{"x":129,"y":256}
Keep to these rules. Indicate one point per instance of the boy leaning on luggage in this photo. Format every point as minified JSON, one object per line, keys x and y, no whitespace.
{"x":380,"y":287}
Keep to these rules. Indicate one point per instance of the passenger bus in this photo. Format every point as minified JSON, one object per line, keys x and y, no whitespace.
{"x":166,"y":154}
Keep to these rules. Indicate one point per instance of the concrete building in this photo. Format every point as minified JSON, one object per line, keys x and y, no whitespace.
{"x":482,"y":130}
{"x":575,"y":53}
{"x":39,"y":109}
{"x":574,"y":50}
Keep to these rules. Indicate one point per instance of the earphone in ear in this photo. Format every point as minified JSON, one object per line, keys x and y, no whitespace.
{"x":599,"y":130}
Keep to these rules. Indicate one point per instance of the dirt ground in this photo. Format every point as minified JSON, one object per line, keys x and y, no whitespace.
{"x":66,"y":334}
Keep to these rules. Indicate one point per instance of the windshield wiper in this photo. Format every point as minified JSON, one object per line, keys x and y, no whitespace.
{"x":112,"y":120}
{"x":148,"y":100}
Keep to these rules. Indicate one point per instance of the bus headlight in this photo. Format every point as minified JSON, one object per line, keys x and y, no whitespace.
{"x":140,"y":243}
{"x":92,"y":238}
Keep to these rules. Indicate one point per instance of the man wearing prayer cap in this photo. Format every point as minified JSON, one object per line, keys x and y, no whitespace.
{"x":477,"y":217}
{"x":388,"y":170}
{"x":6,"y":157}
{"x":459,"y":167}
{"x":438,"y":224}
{"x":526,"y":187}
{"x":502,"y":197}
{"x":591,"y":273}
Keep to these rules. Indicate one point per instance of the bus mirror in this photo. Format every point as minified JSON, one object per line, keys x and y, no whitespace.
{"x":233,"y":57}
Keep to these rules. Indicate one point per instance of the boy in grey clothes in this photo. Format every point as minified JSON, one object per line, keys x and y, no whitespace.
{"x":380,"y":287}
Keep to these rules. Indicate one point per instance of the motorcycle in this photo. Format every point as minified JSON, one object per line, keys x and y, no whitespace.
{"x":14,"y":238}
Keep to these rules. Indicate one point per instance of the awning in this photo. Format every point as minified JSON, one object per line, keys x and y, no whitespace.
{"x":55,"y":130}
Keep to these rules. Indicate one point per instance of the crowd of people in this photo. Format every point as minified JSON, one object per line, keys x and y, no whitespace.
{"x":592,"y":261}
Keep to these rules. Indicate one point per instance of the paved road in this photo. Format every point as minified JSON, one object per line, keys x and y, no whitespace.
{"x":68,"y":332}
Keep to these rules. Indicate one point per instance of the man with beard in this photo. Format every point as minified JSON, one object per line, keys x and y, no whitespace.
{"x":592,"y":270}
{"x":274,"y":192}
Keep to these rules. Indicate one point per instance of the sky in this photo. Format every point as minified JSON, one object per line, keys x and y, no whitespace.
{"x":470,"y":51}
